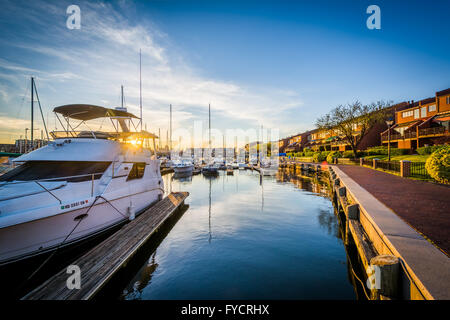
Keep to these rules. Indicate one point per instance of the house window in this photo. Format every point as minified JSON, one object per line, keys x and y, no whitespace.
{"x":447,"y":100}
{"x":137,"y":171}
{"x":407,"y":114}
{"x":416,"y":114}
{"x":432,"y":108}
{"x":423,"y":112}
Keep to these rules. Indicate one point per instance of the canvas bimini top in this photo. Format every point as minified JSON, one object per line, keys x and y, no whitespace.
{"x":120,"y":119}
{"x":87,"y":112}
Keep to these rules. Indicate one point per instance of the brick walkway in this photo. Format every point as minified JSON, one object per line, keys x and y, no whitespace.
{"x":423,"y":205}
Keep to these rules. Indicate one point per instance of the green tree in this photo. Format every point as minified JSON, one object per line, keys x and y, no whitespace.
{"x":353,"y":121}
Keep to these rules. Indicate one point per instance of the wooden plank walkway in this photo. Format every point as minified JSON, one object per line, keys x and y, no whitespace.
{"x":100,"y":263}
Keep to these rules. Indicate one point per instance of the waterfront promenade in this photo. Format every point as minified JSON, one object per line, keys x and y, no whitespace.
{"x":423,"y":205}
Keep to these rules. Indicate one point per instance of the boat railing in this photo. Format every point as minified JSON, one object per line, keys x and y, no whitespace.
{"x":54,"y":179}
{"x":39,"y":183}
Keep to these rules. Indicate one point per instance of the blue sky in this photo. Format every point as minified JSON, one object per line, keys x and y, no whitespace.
{"x":280,"y":64}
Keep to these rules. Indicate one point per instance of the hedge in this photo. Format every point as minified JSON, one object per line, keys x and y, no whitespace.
{"x":375,"y":151}
{"x":332,"y":155}
{"x":319,"y":157}
{"x":438,"y":165}
{"x":427,"y":150}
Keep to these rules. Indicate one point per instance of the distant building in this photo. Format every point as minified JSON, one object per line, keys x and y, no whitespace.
{"x":25,"y":145}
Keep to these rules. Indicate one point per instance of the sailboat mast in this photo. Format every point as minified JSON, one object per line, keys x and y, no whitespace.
{"x":32,"y":111}
{"x":209,"y":124}
{"x":140,"y":84}
{"x":170,"y":141}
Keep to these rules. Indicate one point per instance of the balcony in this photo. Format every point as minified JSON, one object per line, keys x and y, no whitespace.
{"x":434,"y":131}
{"x":426,"y":132}
{"x":395,"y":136}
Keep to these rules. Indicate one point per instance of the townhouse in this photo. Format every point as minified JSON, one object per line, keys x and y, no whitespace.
{"x":421,"y":123}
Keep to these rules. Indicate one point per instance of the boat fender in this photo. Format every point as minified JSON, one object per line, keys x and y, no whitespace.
{"x":131,"y":212}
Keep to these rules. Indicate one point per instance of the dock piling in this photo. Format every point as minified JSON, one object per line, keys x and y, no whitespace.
{"x":386,"y":268}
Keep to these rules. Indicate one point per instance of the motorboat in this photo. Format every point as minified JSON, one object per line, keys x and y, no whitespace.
{"x":268,"y":168}
{"x":81,"y":184}
{"x":183,"y":167}
{"x":211,"y":169}
{"x":242,"y":166}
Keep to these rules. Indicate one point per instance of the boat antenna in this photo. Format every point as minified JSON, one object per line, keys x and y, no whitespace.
{"x":140,"y":84}
{"x":121,"y":95}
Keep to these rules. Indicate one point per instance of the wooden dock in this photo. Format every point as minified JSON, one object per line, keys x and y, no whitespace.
{"x":100,"y":263}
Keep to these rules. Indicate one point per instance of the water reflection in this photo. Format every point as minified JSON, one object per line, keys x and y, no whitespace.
{"x":309,"y":182}
{"x":209,"y":213}
{"x":271,"y":241}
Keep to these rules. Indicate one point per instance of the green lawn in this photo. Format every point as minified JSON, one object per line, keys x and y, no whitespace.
{"x":409,"y":157}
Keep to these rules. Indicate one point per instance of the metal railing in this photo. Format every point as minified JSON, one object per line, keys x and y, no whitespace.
{"x":397,"y":136}
{"x":418,"y":170}
{"x":367,"y":162}
{"x":431,"y":131}
{"x":393,"y":166}
{"x":67,"y":178}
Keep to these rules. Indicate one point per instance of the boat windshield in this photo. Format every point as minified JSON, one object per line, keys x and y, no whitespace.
{"x":56,"y":170}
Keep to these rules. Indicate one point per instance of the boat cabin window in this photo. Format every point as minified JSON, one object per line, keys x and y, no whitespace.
{"x":56,"y":170}
{"x":137,"y":171}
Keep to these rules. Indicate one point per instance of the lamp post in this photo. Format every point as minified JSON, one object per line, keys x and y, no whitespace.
{"x":389,"y":122}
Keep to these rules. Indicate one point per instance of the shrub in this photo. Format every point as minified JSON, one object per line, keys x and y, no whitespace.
{"x":375,"y":151}
{"x":428,"y":150}
{"x":318,"y":157}
{"x":332,"y":155}
{"x":438,"y":165}
{"x":398,"y":152}
{"x":348,"y":154}
{"x":308,"y":153}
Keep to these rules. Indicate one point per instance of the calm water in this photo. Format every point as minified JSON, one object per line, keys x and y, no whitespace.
{"x":243,"y":238}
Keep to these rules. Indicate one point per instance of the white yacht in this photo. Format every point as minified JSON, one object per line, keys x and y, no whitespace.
{"x":268,"y":167}
{"x":81,"y":184}
{"x":184,"y":167}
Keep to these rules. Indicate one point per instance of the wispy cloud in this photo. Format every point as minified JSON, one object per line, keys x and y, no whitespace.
{"x":89,"y":65}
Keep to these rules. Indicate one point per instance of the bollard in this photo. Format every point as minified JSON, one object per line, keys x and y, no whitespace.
{"x":374,"y":163}
{"x":131,"y":212}
{"x":353,"y":211}
{"x":342,"y":191}
{"x":387,"y":277}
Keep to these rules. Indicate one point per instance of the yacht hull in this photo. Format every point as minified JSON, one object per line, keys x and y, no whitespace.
{"x":183,"y":170}
{"x":28,"y":239}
